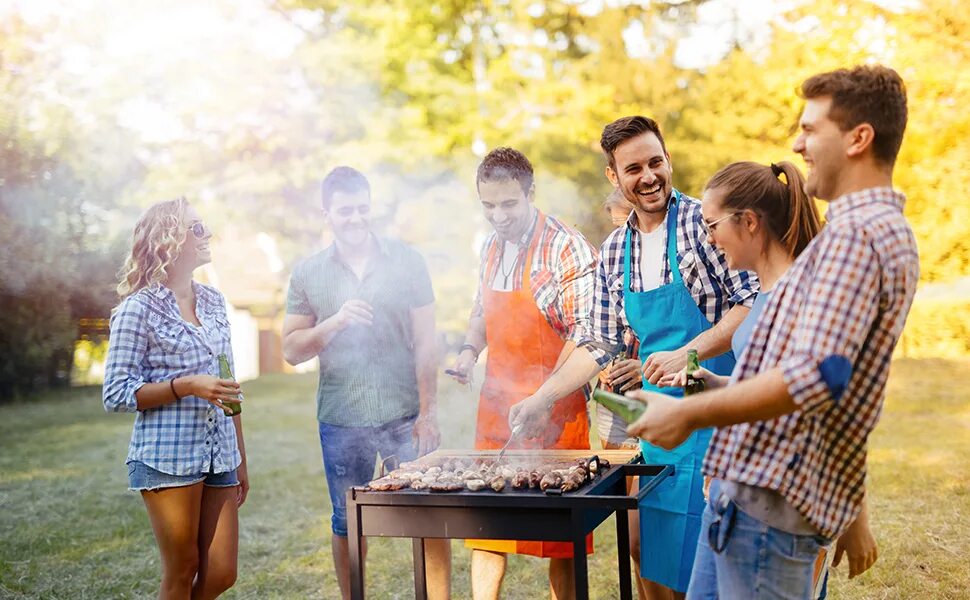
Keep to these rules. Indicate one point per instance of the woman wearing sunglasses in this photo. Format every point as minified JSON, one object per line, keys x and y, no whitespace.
{"x":762,"y":219}
{"x":186,"y":457}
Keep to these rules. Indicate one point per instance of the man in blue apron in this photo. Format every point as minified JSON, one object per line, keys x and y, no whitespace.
{"x":659,"y":275}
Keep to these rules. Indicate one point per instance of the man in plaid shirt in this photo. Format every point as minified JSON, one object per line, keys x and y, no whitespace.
{"x":809,"y":387}
{"x":533,"y":303}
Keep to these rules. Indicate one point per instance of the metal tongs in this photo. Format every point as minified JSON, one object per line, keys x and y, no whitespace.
{"x":501,"y":454}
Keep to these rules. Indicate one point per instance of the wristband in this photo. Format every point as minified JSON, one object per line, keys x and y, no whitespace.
{"x":171,"y":384}
{"x":474,"y":350}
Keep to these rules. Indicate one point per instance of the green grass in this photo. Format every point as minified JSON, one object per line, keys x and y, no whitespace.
{"x":70,"y":529}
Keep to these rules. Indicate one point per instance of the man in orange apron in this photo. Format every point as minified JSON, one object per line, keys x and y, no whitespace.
{"x":535,"y":297}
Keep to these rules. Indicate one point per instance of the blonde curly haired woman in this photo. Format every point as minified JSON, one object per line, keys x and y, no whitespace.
{"x":186,"y":457}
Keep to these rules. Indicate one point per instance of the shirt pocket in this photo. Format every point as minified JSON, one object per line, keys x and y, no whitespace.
{"x":222,"y":331}
{"x":172,"y":338}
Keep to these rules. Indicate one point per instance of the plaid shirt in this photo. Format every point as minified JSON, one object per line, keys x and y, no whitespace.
{"x":151,"y":343}
{"x":563,"y":268}
{"x":831,"y":325}
{"x":713,"y":286}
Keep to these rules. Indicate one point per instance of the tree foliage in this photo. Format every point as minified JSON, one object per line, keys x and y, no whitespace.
{"x":243,"y":107}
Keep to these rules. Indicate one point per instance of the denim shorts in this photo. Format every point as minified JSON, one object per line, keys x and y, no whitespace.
{"x":141,"y":477}
{"x":350,"y":456}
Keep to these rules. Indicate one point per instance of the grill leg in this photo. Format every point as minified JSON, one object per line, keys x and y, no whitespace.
{"x":623,"y":554}
{"x":420,"y":579}
{"x":579,"y":558}
{"x":354,"y":547}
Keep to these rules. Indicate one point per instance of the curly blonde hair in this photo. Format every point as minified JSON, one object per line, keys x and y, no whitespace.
{"x":159,"y":235}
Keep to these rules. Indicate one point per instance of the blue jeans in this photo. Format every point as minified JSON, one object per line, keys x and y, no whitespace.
{"x":751,"y":560}
{"x":349,"y":456}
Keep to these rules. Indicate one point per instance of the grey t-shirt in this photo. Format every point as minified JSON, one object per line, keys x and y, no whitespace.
{"x":367,"y":373}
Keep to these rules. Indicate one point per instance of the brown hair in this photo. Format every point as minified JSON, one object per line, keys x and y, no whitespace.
{"x":790,"y":215}
{"x":871,"y":94}
{"x":342,"y":179}
{"x":506,"y":163}
{"x":627,"y":128}
{"x":159,"y":235}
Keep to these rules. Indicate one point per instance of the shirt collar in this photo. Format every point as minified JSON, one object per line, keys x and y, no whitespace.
{"x":527,"y":235}
{"x":203,"y":296}
{"x":330,"y":252}
{"x":848,"y":203}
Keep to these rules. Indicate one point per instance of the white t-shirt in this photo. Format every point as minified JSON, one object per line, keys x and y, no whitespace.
{"x":652,"y":256}
{"x":505,"y":273}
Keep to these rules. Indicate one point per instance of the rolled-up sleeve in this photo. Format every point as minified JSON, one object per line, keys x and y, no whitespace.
{"x":127,"y":345}
{"x":604,"y":338}
{"x":834,"y":320}
{"x":577,"y":274}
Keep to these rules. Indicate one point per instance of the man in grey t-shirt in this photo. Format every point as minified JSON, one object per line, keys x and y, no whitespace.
{"x":364,"y":305}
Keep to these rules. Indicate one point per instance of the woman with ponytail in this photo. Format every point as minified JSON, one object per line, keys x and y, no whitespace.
{"x":186,"y":456}
{"x":762,"y":219}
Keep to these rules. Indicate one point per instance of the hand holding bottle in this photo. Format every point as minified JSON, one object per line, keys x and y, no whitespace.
{"x":679,"y":379}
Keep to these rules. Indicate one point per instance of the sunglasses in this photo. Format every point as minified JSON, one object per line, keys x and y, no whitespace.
{"x":719,"y":532}
{"x":198,"y":230}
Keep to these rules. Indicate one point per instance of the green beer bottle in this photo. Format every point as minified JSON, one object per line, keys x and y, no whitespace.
{"x":230,"y":408}
{"x":628,"y":410}
{"x":627,"y":352}
{"x":694,"y":385}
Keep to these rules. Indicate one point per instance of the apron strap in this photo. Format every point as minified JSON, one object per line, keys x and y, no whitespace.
{"x":672,"y":239}
{"x":671,"y":246}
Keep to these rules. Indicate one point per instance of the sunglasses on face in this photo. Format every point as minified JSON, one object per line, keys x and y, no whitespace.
{"x":198,"y":230}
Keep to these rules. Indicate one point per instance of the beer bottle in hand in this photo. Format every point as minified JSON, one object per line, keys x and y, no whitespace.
{"x":693,"y":385}
{"x":230,"y":408}
{"x":629,"y":341}
{"x":627,"y":409}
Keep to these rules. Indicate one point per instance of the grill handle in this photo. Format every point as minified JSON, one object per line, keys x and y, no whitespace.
{"x":388,"y":464}
{"x":655,"y":480}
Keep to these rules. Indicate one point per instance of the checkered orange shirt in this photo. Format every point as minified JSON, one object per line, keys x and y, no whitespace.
{"x":562,"y":279}
{"x":831,"y":326}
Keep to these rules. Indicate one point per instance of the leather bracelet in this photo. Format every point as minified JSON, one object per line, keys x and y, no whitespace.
{"x":474,"y":350}
{"x":171,"y":384}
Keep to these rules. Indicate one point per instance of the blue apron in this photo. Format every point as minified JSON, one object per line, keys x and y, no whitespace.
{"x":665,"y":319}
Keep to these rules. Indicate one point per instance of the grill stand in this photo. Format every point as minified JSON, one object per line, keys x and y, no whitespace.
{"x":520,"y":516}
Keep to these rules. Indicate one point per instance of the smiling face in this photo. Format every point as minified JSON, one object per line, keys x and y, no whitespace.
{"x":195,"y":250}
{"x":506,"y":206}
{"x":642,"y":171}
{"x":349,"y":216}
{"x":823,"y":146}
{"x":733,"y":233}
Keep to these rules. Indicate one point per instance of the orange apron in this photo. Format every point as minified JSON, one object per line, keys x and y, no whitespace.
{"x":522,"y":352}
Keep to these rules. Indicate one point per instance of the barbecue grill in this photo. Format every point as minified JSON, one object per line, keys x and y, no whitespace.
{"x":527,"y":514}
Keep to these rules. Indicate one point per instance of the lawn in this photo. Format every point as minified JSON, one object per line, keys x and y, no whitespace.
{"x":70,"y":529}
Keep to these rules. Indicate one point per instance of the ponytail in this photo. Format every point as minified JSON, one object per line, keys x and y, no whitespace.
{"x":803,"y":221}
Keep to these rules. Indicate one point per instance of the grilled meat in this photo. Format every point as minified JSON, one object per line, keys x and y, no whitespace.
{"x":389,"y":484}
{"x":475,"y":485}
{"x":497,"y":483}
{"x":550,"y":480}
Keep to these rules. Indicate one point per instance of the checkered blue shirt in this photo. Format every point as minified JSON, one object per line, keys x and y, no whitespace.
{"x":151,"y":343}
{"x":831,"y":325}
{"x":714,"y":287}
